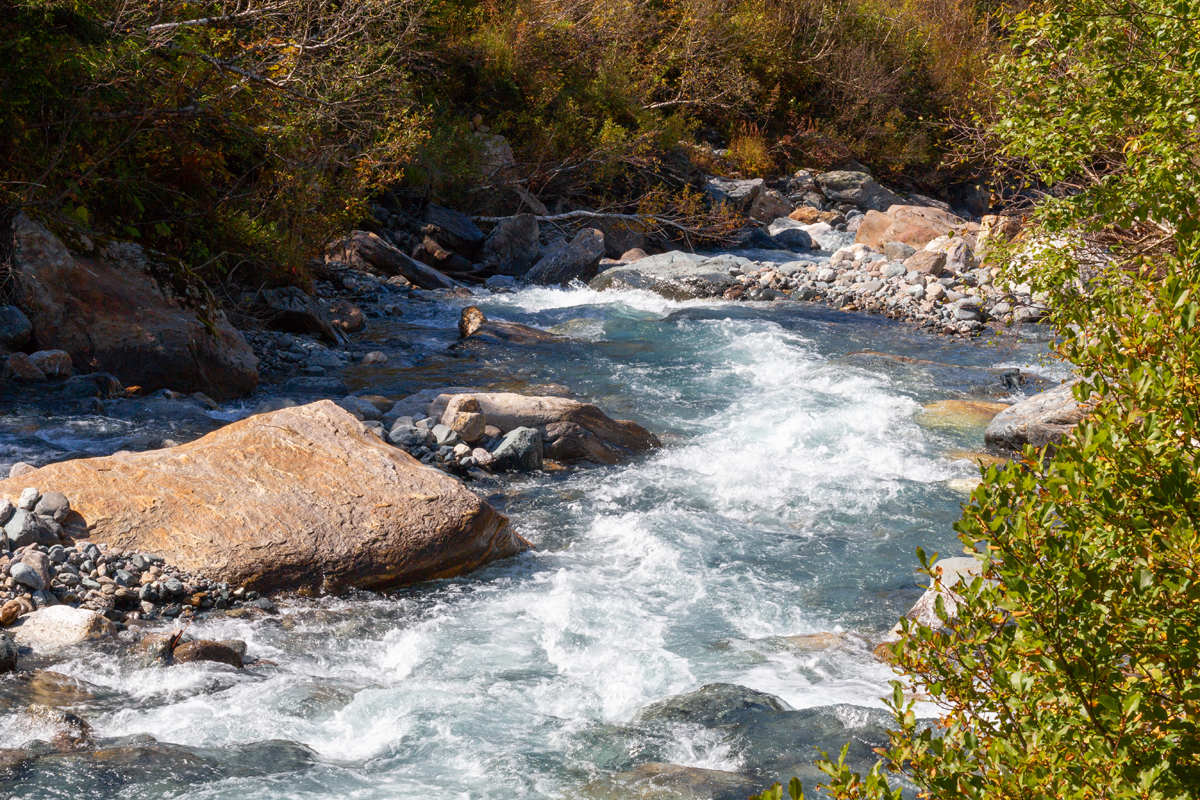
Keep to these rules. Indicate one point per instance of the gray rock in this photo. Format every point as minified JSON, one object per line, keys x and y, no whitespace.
{"x":289,"y":309}
{"x":29,"y":498}
{"x":173,"y":587}
{"x":8,"y":653}
{"x":455,"y":231}
{"x":898,"y":251}
{"x":674,"y":275}
{"x":575,"y":261}
{"x":856,"y":188}
{"x":443,"y":436}
{"x":60,"y":626}
{"x":792,"y":239}
{"x":512,"y":246}
{"x":44,"y":598}
{"x":54,"y":505}
{"x":360,"y":408}
{"x":57,"y":554}
{"x":895,"y":270}
{"x":26,"y":576}
{"x":26,"y":528}
{"x":1041,"y":420}
{"x":20,"y":468}
{"x":827,"y":275}
{"x":7,"y":509}
{"x":15,"y":328}
{"x":967,"y":314}
{"x":739,"y":194}
{"x":916,"y":291}
{"x":519,"y":451}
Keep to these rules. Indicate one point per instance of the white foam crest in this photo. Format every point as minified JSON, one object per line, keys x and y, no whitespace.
{"x":535,"y":299}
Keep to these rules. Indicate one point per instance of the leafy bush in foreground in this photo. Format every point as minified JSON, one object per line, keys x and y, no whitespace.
{"x":1073,"y":667}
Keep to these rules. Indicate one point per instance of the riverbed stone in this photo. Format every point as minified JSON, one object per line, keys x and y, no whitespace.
{"x":26,"y":576}
{"x":8,"y":655}
{"x":59,"y":626}
{"x":54,"y":364}
{"x":29,"y":498}
{"x":54,"y":505}
{"x":519,"y":451}
{"x":302,"y":497}
{"x":19,"y":369}
{"x":25,"y":528}
{"x":926,"y":262}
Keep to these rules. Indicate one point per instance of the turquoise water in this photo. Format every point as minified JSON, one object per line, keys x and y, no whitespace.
{"x":795,"y":486}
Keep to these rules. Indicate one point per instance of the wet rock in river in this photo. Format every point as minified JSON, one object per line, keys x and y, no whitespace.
{"x":60,"y":626}
{"x":512,"y":246}
{"x":713,"y":705}
{"x":8,"y":654}
{"x":519,"y":451}
{"x":1040,"y":420}
{"x":472,"y":324}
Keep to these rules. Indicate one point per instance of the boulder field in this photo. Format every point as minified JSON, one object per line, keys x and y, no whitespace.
{"x":300,"y":498}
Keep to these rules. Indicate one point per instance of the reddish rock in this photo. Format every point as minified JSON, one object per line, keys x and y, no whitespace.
{"x":112,"y":315}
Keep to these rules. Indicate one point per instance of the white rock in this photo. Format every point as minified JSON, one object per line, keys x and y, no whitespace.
{"x":29,"y":498}
{"x":60,"y":626}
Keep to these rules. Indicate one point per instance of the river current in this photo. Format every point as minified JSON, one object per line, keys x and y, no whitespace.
{"x":798,"y":477}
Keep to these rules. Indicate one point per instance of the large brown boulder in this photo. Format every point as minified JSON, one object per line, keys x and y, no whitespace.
{"x":110,"y":315}
{"x":913,"y":225}
{"x":301,"y":498}
{"x":366,"y":251}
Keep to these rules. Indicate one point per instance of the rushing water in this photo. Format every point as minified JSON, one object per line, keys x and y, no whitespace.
{"x":797,"y":481}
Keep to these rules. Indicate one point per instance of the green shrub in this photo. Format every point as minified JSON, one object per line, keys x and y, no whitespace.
{"x":1072,"y":669}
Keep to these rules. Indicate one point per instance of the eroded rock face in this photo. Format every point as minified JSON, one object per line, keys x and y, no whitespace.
{"x":1039,"y":420}
{"x":303,"y":497}
{"x":512,"y":246}
{"x":110,"y":315}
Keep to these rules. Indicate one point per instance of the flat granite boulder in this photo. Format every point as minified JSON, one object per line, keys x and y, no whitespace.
{"x":1041,"y":420}
{"x":301,"y":498}
{"x":674,"y":275}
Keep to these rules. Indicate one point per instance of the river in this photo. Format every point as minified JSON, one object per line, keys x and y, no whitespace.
{"x":797,"y":480}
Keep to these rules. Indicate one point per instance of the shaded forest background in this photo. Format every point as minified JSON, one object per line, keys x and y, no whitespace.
{"x":239,"y":136}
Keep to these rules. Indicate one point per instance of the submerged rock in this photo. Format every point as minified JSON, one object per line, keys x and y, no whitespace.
{"x":519,"y":451}
{"x":473,"y":324}
{"x":773,"y":741}
{"x":657,"y":781}
{"x":301,"y":497}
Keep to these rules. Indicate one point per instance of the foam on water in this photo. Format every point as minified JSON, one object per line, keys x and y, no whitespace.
{"x":792,"y":503}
